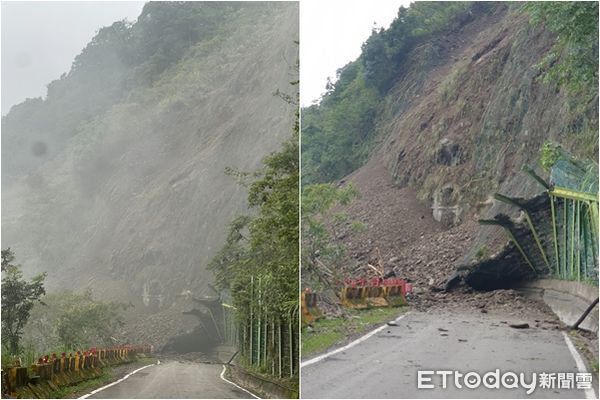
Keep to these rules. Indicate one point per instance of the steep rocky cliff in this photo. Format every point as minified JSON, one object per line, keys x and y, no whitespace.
{"x":479,"y":115}
{"x":460,"y":116}
{"x":124,"y":190}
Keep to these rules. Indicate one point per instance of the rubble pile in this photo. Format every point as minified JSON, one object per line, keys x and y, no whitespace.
{"x":401,"y":234}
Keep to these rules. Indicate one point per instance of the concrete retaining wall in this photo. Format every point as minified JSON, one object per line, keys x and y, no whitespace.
{"x":567,"y":299}
{"x":263,"y":387}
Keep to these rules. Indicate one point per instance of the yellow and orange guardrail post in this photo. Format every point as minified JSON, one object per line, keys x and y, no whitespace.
{"x":353,"y":297}
{"x":374,"y":292}
{"x":49,"y":372}
{"x":308,"y":303}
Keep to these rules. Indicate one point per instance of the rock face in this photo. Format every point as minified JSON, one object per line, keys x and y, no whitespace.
{"x":445,"y":207}
{"x":136,"y":202}
{"x":467,"y":113}
{"x":475,"y":113}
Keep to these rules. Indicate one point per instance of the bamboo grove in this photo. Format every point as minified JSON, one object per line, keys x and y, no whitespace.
{"x":258,"y":266}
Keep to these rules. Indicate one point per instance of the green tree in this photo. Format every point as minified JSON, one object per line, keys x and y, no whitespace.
{"x":320,"y":253}
{"x":7,"y":257}
{"x":86,"y":322}
{"x":18,"y":298}
{"x":226,"y":262}
{"x":385,"y":51}
{"x":265,"y":245}
{"x":573,"y":60}
{"x":258,"y":263}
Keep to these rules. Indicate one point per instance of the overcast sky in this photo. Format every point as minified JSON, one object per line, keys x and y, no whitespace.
{"x":40,"y":40}
{"x":331,"y":35}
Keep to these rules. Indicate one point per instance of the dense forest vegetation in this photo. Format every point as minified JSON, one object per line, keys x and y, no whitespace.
{"x":34,"y":322}
{"x":338,"y":132}
{"x":19,"y":296}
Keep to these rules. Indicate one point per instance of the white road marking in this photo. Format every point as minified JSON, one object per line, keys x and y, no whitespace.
{"x":237,"y":386}
{"x":116,"y":382}
{"x":589,"y":393}
{"x":349,"y":345}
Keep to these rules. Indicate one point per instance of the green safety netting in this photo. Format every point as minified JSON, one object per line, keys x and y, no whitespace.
{"x":575,"y":221}
{"x":576,"y":242}
{"x":559,"y":234}
{"x":570,"y":173}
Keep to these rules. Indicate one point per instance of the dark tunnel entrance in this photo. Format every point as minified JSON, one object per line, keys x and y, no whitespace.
{"x":207,"y":335}
{"x":196,"y":341}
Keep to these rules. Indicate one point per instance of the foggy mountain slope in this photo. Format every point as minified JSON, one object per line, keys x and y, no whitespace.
{"x":120,"y":58}
{"x":136,"y":203}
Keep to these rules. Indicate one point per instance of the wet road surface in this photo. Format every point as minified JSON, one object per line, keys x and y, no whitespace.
{"x":386,"y":364}
{"x":174,"y":380}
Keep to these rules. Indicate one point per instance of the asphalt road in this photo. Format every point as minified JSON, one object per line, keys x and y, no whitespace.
{"x":174,"y":380}
{"x":386,"y":364}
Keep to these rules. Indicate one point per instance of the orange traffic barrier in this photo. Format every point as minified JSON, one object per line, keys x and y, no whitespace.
{"x":375,"y":292}
{"x":310,"y":311}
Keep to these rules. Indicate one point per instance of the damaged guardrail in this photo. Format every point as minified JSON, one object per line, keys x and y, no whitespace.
{"x":555,"y":235}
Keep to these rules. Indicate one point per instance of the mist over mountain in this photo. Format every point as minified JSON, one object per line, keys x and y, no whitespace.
{"x":115,"y":181}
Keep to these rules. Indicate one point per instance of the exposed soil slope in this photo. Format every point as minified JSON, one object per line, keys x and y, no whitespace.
{"x":457,"y":127}
{"x":402,"y":235}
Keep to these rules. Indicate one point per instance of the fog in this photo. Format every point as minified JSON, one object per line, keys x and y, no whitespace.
{"x":40,"y":40}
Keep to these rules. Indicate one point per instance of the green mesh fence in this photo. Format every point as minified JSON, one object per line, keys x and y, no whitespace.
{"x":559,"y":232}
{"x":575,"y":255}
{"x":577,"y":175}
{"x":268,"y":341}
{"x":574,"y":201}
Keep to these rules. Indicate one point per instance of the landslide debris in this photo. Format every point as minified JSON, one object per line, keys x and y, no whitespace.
{"x":401,"y":232}
{"x":467,"y":111}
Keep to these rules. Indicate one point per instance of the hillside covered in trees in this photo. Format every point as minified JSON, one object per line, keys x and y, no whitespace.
{"x":115,"y":183}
